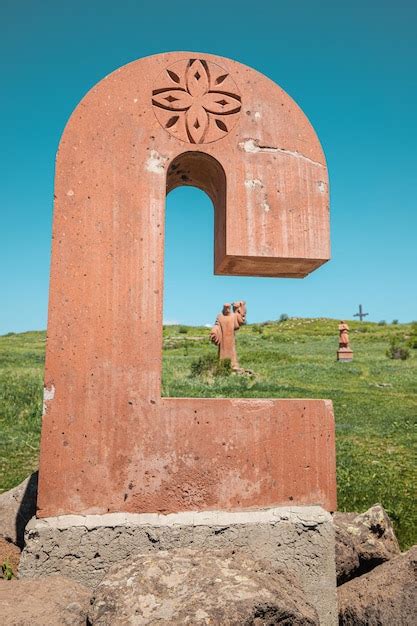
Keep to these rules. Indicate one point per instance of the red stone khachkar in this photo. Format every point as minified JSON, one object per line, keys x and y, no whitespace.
{"x":110,"y":442}
{"x":223,"y":332}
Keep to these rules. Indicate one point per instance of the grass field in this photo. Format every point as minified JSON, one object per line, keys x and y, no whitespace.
{"x":375,"y":400}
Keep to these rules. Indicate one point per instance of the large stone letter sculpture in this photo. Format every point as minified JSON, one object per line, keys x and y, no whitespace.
{"x":110,"y":442}
{"x":223,"y":332}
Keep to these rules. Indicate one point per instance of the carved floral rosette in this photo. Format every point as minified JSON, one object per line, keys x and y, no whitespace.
{"x":196,"y":101}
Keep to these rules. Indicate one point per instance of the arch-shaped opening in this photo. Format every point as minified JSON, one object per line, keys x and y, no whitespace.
{"x":190,"y":215}
{"x":197,"y":169}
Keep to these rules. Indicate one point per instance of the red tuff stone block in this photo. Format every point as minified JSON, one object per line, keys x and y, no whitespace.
{"x":110,"y":442}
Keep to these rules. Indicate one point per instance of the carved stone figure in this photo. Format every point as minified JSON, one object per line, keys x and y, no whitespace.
{"x":343,"y":335}
{"x":223,"y":332}
{"x":344,"y":353}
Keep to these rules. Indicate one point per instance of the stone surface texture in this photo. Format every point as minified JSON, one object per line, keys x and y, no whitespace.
{"x":386,"y":596}
{"x":363,"y":542}
{"x":9,"y":555}
{"x":347,"y":557}
{"x":17,"y":507}
{"x":297,"y":539}
{"x":48,"y":601}
{"x":190,"y":587}
{"x":153,"y":125}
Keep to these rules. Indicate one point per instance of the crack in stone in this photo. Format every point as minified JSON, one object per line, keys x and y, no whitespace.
{"x":252,"y":146}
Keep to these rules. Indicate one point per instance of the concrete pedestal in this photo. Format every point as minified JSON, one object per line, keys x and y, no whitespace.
{"x":300,"y":539}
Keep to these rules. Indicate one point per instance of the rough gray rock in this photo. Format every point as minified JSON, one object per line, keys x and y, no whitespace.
{"x":49,"y":601}
{"x":347,"y":558}
{"x":17,"y":507}
{"x":386,"y":596}
{"x":193,"y":587}
{"x":363,"y":542}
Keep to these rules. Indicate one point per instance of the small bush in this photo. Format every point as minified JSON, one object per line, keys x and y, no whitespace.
{"x":224,"y":368}
{"x":412,"y":343}
{"x":7,"y":570}
{"x":397,"y":351}
{"x":395,"y":322}
{"x":183,"y":330}
{"x":203,"y":364}
{"x":283,"y":317}
{"x":257,"y":328}
{"x":211,"y":365}
{"x":382,"y":323}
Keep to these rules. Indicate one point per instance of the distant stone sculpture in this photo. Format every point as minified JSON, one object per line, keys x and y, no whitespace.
{"x":345,"y":352}
{"x":223,"y":332}
{"x":343,"y":335}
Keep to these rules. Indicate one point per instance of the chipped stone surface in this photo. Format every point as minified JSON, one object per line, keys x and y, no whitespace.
{"x":186,"y":586}
{"x":156,"y":163}
{"x":48,"y":395}
{"x":253,"y":183}
{"x":299,"y":539}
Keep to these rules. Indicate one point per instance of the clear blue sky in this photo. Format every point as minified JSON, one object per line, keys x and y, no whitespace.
{"x":351,"y":66}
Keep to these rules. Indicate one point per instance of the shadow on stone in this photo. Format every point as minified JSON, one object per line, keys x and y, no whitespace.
{"x":363,"y":542}
{"x":17,"y":507}
{"x":27,"y":508}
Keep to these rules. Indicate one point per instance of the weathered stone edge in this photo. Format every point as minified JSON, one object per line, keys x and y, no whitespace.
{"x":310,"y":516}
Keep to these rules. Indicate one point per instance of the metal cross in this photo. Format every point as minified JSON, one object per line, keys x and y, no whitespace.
{"x":361,"y":314}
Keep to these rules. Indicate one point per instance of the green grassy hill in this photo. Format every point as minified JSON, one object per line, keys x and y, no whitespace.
{"x":375,"y":399}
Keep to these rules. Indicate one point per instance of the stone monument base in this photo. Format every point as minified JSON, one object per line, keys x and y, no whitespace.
{"x":300,"y":539}
{"x":344,"y":354}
